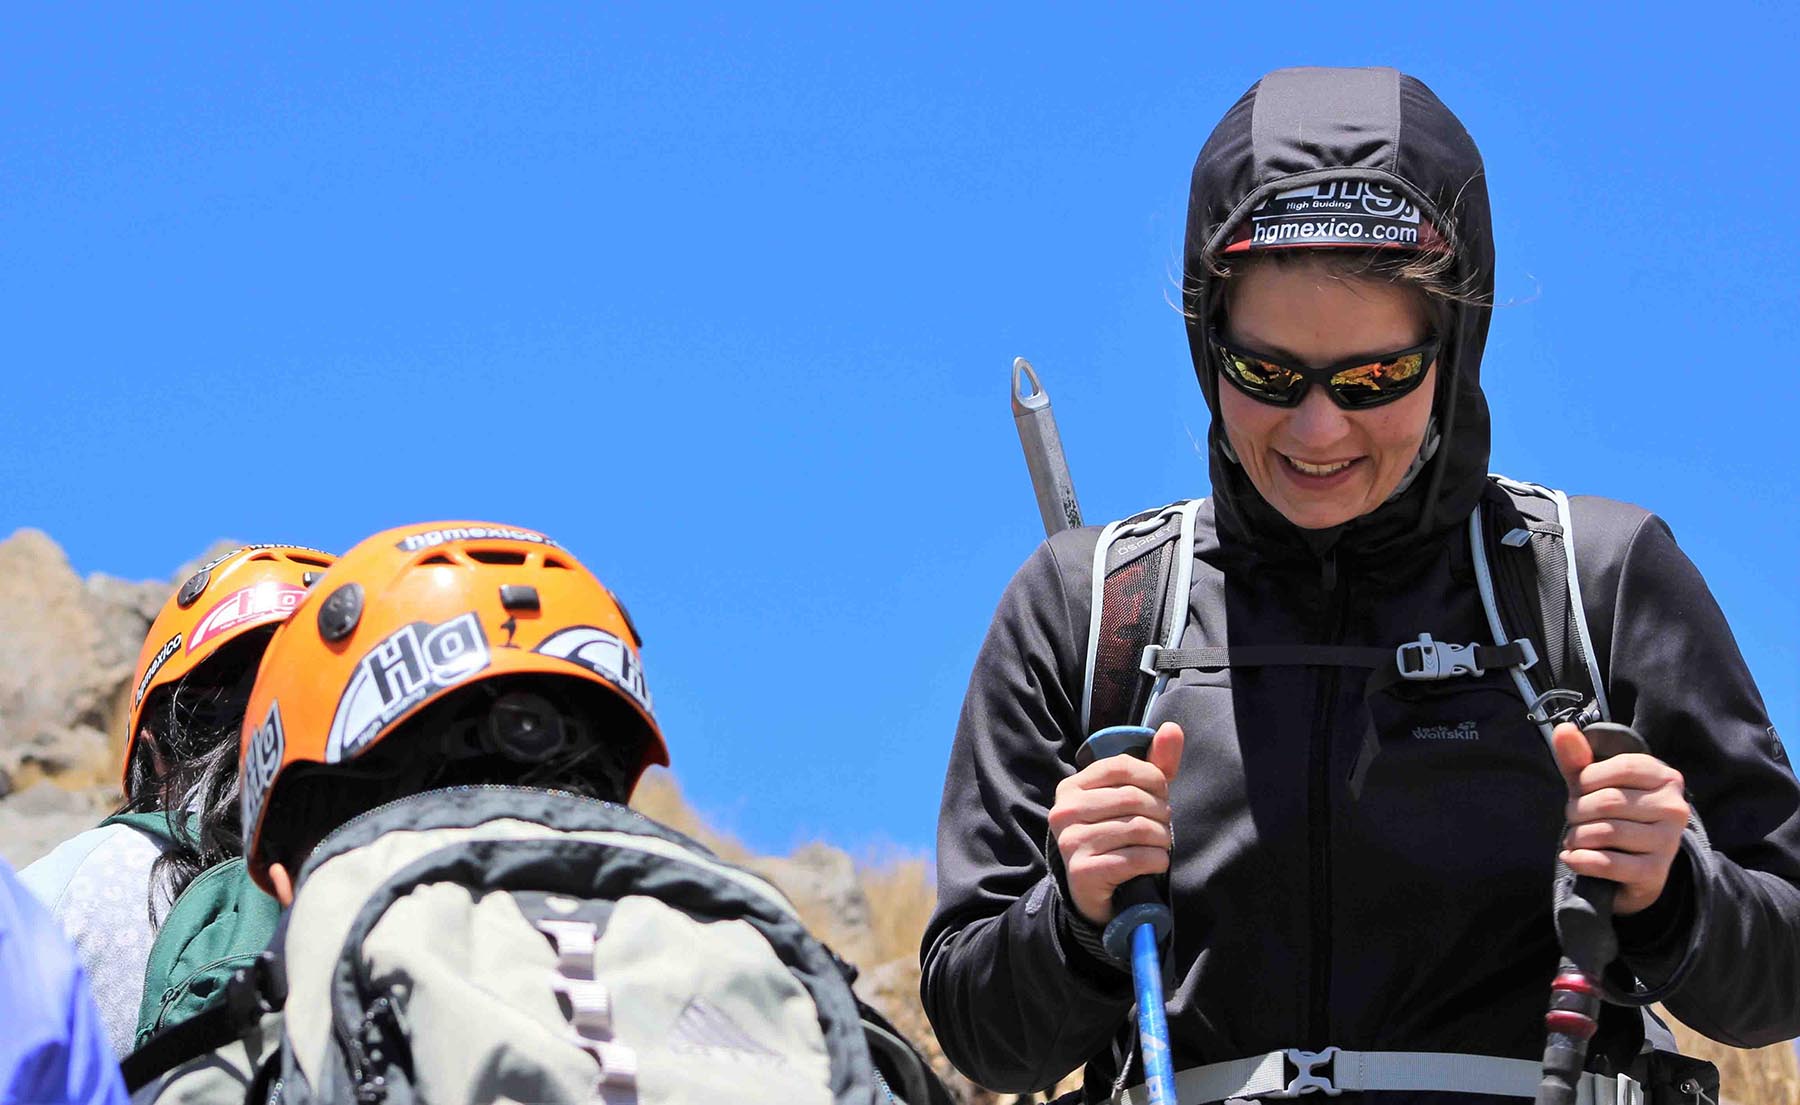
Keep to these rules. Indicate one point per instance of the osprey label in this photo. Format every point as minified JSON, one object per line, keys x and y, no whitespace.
{"x":267,"y":744}
{"x":401,"y":671}
{"x":156,"y":665}
{"x":603,"y":654}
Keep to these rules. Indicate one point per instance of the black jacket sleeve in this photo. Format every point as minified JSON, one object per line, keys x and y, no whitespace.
{"x":1728,"y":928}
{"x":1015,"y":999}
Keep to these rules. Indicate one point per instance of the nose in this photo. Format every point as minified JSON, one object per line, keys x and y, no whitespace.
{"x":1317,"y":421}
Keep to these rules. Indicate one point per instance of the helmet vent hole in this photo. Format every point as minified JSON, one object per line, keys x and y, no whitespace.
{"x":437,"y":558}
{"x":497,"y":556}
{"x":262,"y":556}
{"x":309,"y":561}
{"x":552,"y":562}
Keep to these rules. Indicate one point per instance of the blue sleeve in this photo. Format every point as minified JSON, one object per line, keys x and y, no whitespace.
{"x":52,"y":1048}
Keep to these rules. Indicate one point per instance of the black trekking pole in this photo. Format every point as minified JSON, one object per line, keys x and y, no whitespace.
{"x":1141,"y":919}
{"x":1584,"y":921}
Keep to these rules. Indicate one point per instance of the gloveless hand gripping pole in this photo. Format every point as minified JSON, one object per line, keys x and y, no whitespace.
{"x":1584,"y":921}
{"x":1141,"y":920}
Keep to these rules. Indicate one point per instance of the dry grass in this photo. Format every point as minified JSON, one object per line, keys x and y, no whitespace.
{"x":901,"y":890}
{"x":1763,"y":1076}
{"x":658,"y":796}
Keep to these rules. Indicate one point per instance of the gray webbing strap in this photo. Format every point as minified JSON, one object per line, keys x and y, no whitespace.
{"x":1581,"y":623}
{"x":1096,"y":596}
{"x":1576,"y":607}
{"x":1334,"y":1071}
{"x":1218,"y":657}
{"x":1484,"y":582}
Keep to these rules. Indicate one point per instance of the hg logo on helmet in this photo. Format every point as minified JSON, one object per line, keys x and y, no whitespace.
{"x":402,"y":670}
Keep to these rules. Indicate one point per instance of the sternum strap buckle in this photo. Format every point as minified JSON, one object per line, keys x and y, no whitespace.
{"x":1307,"y":1076}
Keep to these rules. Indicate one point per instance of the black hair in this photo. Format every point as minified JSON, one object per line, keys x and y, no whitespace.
{"x":462,"y":740}
{"x":194,"y":726}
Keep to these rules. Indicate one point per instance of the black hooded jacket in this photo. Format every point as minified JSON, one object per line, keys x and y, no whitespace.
{"x":1414,"y":915}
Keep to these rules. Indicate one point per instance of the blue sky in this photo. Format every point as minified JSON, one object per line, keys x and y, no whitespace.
{"x":725,"y":301}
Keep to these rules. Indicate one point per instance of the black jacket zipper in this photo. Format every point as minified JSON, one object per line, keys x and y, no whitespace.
{"x":1319,"y":807}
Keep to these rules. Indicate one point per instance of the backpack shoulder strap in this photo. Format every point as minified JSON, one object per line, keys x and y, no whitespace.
{"x":159,"y":825}
{"x":1530,"y":540}
{"x":1143,"y":569}
{"x":221,"y":922}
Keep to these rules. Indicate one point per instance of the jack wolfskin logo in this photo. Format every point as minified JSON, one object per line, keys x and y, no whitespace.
{"x":1466,"y":731}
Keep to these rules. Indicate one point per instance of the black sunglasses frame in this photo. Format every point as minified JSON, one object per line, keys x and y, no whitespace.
{"x":1322,"y":376}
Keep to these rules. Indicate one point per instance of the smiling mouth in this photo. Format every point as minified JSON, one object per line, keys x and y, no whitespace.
{"x":1330,"y":468}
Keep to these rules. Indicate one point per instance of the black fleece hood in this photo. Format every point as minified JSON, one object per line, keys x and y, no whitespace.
{"x":1300,"y":127}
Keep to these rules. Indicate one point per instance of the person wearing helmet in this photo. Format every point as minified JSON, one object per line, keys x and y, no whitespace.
{"x":110,"y":887}
{"x":434,"y":656}
{"x":435,"y":760}
{"x":1356,"y":819}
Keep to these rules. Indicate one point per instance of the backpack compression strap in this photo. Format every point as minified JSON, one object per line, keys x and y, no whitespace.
{"x":253,"y":991}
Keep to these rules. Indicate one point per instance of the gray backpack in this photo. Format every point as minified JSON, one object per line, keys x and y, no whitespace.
{"x":493,"y":943}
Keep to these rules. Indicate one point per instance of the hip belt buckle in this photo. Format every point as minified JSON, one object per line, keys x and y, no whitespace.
{"x":1429,"y":659}
{"x":1307,"y":1078}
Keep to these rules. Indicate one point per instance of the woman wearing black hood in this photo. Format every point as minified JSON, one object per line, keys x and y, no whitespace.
{"x":1357,"y":859}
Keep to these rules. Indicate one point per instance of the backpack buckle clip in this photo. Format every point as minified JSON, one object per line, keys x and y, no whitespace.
{"x":1429,"y":659}
{"x":1306,"y":1078}
{"x":1147,"y":660}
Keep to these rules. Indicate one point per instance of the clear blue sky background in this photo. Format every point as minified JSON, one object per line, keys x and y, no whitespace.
{"x":726,"y":301}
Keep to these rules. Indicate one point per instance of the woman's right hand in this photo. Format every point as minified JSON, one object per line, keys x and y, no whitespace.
{"x":1111,"y":822}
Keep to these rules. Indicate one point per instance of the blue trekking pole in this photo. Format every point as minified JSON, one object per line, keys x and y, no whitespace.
{"x":1141,"y":918}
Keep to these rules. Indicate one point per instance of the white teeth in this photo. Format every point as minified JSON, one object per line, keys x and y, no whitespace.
{"x":1318,"y":469}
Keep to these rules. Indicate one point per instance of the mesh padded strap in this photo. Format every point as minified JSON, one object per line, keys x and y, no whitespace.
{"x":1139,"y":596}
{"x":1130,"y":615}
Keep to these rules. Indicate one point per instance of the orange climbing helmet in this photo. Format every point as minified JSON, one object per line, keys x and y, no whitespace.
{"x":404,"y":619}
{"x":227,"y":599}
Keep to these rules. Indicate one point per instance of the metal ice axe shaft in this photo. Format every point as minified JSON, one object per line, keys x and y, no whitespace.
{"x":1141,"y":918}
{"x":1043,"y":450}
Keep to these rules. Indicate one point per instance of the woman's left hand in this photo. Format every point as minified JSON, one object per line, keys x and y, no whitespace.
{"x":1625,"y":817}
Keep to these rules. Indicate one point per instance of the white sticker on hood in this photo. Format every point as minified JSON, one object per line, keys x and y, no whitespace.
{"x":1337,"y":213}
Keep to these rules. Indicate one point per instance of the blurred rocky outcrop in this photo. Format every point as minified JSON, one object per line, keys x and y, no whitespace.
{"x":67,"y":647}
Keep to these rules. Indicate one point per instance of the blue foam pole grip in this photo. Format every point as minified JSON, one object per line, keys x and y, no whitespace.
{"x":1153,"y":1022}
